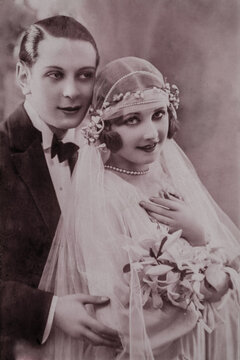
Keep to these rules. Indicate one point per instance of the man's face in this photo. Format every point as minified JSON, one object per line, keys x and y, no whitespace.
{"x":61,"y":81}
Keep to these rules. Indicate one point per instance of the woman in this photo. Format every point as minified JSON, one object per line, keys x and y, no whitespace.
{"x":106,"y":243}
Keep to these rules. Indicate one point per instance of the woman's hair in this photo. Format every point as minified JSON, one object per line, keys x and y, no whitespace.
{"x":57,"y":26}
{"x":173,"y":125}
{"x":113,"y":140}
{"x":124,"y":82}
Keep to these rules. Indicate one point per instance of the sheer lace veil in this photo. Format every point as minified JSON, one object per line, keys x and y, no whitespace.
{"x":87,"y":254}
{"x":218,"y":226}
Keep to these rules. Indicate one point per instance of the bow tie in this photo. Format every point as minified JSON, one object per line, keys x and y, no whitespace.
{"x":64,"y":151}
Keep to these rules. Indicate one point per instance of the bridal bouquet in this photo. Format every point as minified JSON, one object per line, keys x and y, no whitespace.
{"x":171,"y":270}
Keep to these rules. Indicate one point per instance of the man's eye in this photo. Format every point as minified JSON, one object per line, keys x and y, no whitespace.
{"x":87,"y":75}
{"x":158,"y":115}
{"x":131,"y":121}
{"x":55,"y":75}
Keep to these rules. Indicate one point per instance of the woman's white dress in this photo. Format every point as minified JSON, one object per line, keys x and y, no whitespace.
{"x":102,"y":217}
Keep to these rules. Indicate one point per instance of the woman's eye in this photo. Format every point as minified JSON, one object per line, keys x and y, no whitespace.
{"x":132,"y":121}
{"x":158,"y":115}
{"x":55,"y":75}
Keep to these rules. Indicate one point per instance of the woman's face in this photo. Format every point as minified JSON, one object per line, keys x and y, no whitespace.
{"x":143,"y":133}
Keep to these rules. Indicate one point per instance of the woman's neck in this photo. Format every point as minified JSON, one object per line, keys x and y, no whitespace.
{"x":121,"y":165}
{"x":149,"y":183}
{"x":137,"y":178}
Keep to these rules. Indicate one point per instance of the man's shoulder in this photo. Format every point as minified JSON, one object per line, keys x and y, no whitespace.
{"x":17,"y":131}
{"x":7,"y":129}
{"x":12,"y":120}
{"x":15,"y":136}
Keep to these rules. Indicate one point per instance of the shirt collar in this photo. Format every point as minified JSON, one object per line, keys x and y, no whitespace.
{"x":40,"y":125}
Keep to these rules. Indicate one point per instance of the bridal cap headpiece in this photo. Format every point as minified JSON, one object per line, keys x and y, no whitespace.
{"x":123,"y":84}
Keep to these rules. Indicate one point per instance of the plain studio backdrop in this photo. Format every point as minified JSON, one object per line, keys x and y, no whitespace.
{"x":194,"y":43}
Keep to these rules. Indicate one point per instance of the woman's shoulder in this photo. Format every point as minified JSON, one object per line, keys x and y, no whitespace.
{"x":121,"y":196}
{"x":115,"y":185}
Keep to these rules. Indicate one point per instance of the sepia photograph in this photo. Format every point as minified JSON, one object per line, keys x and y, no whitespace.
{"x":120,"y":180}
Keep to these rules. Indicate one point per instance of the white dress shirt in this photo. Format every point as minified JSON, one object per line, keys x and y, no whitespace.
{"x":60,"y":172}
{"x":61,"y":178}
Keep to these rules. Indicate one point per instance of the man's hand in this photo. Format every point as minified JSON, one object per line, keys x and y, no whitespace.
{"x":176,"y":214}
{"x":72,"y":317}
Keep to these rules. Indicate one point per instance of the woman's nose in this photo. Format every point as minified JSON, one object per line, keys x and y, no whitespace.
{"x":151,"y":131}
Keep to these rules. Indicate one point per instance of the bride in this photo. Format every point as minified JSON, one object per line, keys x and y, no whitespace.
{"x":171,"y":272}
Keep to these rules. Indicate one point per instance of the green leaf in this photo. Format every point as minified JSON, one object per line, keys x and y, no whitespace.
{"x":161,"y":246}
{"x":151,"y":253}
{"x":126,"y":268}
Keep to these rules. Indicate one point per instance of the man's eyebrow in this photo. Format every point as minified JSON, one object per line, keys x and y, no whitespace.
{"x":53,"y":67}
{"x":87,"y":68}
{"x":79,"y":69}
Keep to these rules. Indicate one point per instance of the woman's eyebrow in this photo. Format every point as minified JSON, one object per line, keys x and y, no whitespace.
{"x":124,"y":117}
{"x":117,"y":120}
{"x":159,"y":108}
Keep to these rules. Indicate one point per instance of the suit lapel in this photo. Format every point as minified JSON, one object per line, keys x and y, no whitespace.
{"x":30,"y":163}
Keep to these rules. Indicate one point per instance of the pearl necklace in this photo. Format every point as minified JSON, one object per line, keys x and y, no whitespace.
{"x":124,"y":171}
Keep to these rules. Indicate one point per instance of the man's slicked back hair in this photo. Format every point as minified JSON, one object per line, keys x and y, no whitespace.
{"x":56,"y":26}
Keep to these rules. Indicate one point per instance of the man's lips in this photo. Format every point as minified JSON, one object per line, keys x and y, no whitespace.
{"x":69,"y":109}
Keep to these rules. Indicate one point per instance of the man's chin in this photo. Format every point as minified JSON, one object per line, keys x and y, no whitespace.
{"x":65,"y":125}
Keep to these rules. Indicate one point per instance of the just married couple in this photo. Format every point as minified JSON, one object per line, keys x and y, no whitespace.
{"x":111,"y":248}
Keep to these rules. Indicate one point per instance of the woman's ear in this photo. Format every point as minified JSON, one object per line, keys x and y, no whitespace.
{"x":23,"y":76}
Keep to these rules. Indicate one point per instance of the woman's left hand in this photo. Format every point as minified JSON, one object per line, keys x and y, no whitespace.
{"x":216,"y":283}
{"x":176,"y":214}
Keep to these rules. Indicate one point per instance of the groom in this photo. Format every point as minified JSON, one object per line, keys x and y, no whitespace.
{"x":57,"y":62}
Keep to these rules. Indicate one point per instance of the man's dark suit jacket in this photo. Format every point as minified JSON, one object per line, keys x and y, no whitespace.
{"x":29,"y":213}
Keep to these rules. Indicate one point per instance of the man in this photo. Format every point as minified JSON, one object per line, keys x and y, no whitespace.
{"x":57,"y":62}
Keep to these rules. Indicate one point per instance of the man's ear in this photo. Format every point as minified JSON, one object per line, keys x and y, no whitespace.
{"x":23,"y":76}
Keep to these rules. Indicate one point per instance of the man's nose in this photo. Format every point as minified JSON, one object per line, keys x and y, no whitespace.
{"x":70,"y":88}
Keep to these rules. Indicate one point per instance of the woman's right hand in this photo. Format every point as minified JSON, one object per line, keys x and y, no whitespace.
{"x":176,"y":214}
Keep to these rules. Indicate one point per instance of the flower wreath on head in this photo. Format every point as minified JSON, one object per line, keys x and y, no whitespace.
{"x":92,"y":131}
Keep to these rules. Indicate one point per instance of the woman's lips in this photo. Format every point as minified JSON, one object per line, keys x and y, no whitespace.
{"x":148,"y":148}
{"x":72,"y":110}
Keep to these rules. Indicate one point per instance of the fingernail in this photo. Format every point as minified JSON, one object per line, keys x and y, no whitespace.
{"x":141,"y":203}
{"x":104,"y":298}
{"x":174,"y":195}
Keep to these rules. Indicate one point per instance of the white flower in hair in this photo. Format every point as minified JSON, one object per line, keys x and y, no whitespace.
{"x":127,"y":95}
{"x":117,"y":97}
{"x":92,"y":131}
{"x":105,"y":104}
